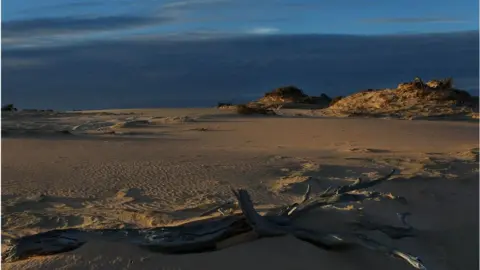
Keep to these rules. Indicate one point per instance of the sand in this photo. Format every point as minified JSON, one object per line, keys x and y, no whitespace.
{"x":147,"y":168}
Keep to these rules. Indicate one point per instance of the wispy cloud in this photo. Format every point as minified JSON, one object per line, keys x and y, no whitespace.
{"x":69,"y":25}
{"x":73,"y":4}
{"x":195,"y":35}
{"x":188,"y":4}
{"x":20,"y":63}
{"x":263,"y":30}
{"x":42,"y":7}
{"x":414,"y":20}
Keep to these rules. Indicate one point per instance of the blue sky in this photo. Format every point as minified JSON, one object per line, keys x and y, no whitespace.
{"x":33,"y":22}
{"x":73,"y":54}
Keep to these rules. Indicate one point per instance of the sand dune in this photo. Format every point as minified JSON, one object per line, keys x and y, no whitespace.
{"x":147,"y":168}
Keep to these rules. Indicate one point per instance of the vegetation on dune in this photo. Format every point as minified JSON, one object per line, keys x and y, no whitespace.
{"x":410,"y":100}
{"x":224,"y":104}
{"x":9,"y":108}
{"x":249,"y":110}
{"x":335,"y":100}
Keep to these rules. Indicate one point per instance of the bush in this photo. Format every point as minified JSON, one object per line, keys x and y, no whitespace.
{"x":335,"y":100}
{"x":322,"y":99}
{"x":309,"y":100}
{"x":248,"y":110}
{"x":325,"y":96}
{"x":221,"y":104}
{"x":474,"y":101}
{"x":286,"y":92}
{"x":9,"y":108}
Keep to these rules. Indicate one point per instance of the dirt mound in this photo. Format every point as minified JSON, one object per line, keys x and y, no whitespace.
{"x":283,"y":95}
{"x":411,"y":100}
{"x":291,"y":95}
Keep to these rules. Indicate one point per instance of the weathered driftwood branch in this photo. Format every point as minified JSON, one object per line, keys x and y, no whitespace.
{"x":220,"y":208}
{"x":369,"y":243}
{"x":42,"y":244}
{"x":268,"y":226}
{"x":393,"y":232}
{"x":290,"y":208}
{"x":233,"y":229}
{"x":359,"y":184}
{"x":262,"y":226}
{"x":194,"y":241}
{"x":340,"y":195}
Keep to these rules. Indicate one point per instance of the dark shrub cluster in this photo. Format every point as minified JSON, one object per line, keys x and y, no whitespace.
{"x":248,"y":110}
{"x":335,"y":100}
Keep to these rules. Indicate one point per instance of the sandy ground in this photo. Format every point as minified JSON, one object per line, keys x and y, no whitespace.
{"x":146,"y":168}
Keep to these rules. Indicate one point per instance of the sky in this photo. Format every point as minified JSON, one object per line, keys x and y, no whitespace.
{"x":56,"y":49}
{"x":33,"y":21}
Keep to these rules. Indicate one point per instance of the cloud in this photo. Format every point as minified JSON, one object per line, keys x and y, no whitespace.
{"x":157,"y":73}
{"x":20,"y":63}
{"x":196,"y":35}
{"x":69,"y":25}
{"x":414,"y":20}
{"x":263,"y":30}
{"x":192,"y":4}
{"x":66,"y":5}
{"x":39,"y":7}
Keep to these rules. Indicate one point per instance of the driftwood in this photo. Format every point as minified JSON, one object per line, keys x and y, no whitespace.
{"x":217,"y":233}
{"x":393,"y":232}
